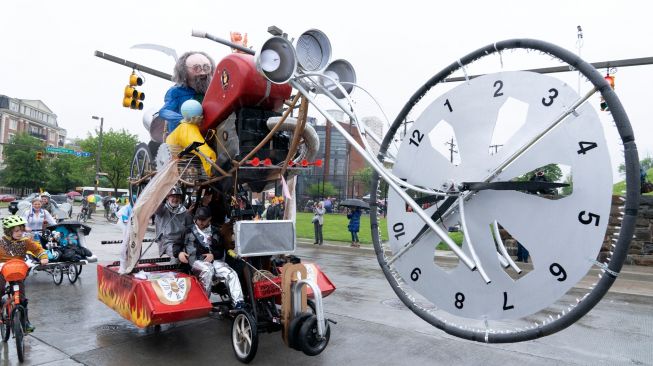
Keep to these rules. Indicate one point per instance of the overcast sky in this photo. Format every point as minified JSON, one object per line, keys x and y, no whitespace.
{"x":47,"y":46}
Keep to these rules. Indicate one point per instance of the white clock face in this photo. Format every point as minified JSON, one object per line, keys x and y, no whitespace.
{"x":270,"y":60}
{"x":563,"y":235}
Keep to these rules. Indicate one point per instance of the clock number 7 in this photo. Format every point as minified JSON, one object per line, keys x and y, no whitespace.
{"x":589,"y":219}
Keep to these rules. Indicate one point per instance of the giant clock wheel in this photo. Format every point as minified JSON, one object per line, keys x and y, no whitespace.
{"x":498,"y":300}
{"x":140,"y":170}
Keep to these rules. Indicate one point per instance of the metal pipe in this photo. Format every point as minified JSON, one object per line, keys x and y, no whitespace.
{"x":202,"y":34}
{"x":133,"y":65}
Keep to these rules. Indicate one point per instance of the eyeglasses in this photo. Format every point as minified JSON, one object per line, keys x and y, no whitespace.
{"x":199,"y":68}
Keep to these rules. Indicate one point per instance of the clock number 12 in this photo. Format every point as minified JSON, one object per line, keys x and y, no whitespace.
{"x":417,"y":138}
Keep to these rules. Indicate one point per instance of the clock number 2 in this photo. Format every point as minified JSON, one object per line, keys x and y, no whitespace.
{"x":499,"y":85}
{"x":398,"y":228}
{"x":586,"y":146}
{"x":460,"y":298}
{"x":589,"y":219}
{"x":553,"y":93}
{"x":558,"y":271}
{"x":417,"y":138}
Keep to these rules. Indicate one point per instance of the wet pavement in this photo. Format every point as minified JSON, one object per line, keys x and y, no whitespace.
{"x":374,"y":327}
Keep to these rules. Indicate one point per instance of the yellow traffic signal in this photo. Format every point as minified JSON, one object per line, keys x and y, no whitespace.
{"x":132,"y":98}
{"x":39,"y":155}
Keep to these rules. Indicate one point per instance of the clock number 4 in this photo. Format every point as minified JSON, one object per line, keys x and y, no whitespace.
{"x":586,"y":146}
{"x":417,"y":138}
{"x":588,"y":220}
{"x":553,"y":93}
{"x":558,"y":271}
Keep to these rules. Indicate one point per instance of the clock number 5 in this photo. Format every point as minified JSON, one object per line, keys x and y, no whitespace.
{"x":589,"y":219}
{"x":553,"y":93}
{"x":417,"y":138}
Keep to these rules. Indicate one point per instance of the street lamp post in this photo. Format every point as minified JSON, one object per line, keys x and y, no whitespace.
{"x":99,"y":152}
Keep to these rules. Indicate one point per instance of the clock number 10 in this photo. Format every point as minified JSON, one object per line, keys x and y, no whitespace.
{"x":398,"y":228}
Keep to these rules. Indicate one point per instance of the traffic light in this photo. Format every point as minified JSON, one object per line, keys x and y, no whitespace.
{"x":39,"y":155}
{"x":132,"y":98}
{"x":610,"y":79}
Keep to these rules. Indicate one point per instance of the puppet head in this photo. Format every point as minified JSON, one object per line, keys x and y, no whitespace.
{"x":194,"y":70}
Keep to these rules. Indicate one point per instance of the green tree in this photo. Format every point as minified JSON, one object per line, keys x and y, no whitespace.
{"x":116,"y":155}
{"x":317,"y":190}
{"x":552,"y":172}
{"x":646,"y":164}
{"x":364,"y":178}
{"x":65,"y":172}
{"x":22,"y":170}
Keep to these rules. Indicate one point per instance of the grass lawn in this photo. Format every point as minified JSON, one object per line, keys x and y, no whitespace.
{"x":335,"y":228}
{"x":620,"y":187}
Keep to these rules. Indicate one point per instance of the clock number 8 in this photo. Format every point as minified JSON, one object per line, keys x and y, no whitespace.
{"x":558,"y":271}
{"x":460,"y":298}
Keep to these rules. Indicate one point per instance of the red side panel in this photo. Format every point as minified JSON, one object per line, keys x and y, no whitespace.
{"x":236,"y":84}
{"x":153,"y":301}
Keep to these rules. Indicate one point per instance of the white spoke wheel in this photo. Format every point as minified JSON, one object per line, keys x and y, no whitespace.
{"x":72,"y":272}
{"x":141,"y":166}
{"x":244,"y":337}
{"x":564,"y":235}
{"x":57,"y":275}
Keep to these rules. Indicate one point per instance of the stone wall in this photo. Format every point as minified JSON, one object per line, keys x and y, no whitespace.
{"x":641,"y":246}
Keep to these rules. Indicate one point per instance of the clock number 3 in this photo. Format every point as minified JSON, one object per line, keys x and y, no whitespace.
{"x":553,"y":93}
{"x":589,"y":219}
{"x":417,"y":138}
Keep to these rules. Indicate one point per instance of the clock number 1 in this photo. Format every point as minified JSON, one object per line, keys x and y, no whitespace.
{"x":553,"y":93}
{"x":448,"y":104}
{"x":398,"y":228}
{"x":586,"y":146}
{"x":589,"y":219}
{"x":418,"y":136}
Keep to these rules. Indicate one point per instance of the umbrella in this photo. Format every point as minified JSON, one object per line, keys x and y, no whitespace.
{"x":355,"y":202}
{"x":73,"y":194}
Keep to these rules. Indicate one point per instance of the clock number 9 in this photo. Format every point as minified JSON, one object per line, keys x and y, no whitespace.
{"x":589,"y":219}
{"x":414,"y":275}
{"x":558,"y":271}
{"x":460,"y":298}
{"x":553,"y":93}
{"x":398,"y":228}
{"x":417,"y":136}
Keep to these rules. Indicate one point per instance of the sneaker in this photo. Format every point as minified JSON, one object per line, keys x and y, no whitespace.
{"x":29,"y":328}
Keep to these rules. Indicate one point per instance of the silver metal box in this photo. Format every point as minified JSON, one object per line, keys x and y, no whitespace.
{"x":254,"y":238}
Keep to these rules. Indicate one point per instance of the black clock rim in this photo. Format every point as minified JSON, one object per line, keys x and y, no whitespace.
{"x":631,"y":203}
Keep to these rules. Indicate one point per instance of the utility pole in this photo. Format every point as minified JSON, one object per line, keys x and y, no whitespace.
{"x":451,"y":149}
{"x":99,"y":152}
{"x":579,"y":44}
{"x":495,"y":147}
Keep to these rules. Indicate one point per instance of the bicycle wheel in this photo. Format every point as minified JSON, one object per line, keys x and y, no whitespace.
{"x":72,"y":273}
{"x":5,"y":327}
{"x":57,"y":275}
{"x":17,"y":324}
{"x":79,"y":269}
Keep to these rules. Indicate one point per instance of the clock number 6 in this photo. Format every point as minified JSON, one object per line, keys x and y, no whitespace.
{"x":414,"y":275}
{"x":418,"y":136}
{"x":589,"y":219}
{"x":553,"y":93}
{"x":558,"y":271}
{"x":460,"y":298}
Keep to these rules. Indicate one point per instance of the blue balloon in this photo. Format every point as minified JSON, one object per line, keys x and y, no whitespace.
{"x":190,"y":109}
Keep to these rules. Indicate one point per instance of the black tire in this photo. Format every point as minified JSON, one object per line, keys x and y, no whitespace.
{"x":18,"y":323}
{"x":57,"y":275}
{"x":79,"y":269}
{"x":141,"y":165}
{"x":244,"y":337}
{"x":72,"y":273}
{"x":5,"y":327}
{"x":309,"y":339}
{"x":293,"y":330}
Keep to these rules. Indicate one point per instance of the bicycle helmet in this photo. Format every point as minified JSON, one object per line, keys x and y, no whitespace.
{"x":12,"y":221}
{"x":175,"y":191}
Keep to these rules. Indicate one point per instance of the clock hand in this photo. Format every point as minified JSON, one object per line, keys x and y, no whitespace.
{"x":510,"y":186}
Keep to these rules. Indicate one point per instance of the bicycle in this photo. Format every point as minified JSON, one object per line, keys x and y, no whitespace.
{"x":83,"y":215}
{"x":13,"y":313}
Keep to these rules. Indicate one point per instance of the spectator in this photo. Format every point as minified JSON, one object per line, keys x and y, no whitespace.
{"x":37,"y":219}
{"x":328,"y":205}
{"x":45,"y":202}
{"x":354,"y":217}
{"x":92,"y":204}
{"x":318,"y":222}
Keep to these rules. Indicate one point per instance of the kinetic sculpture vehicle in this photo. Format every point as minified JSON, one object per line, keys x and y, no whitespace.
{"x":486,"y":297}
